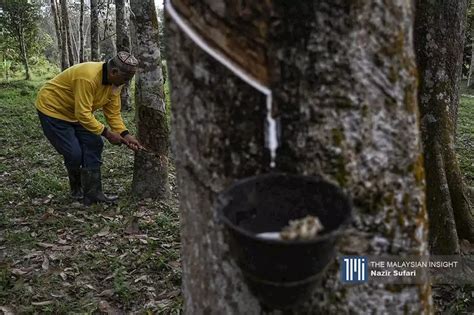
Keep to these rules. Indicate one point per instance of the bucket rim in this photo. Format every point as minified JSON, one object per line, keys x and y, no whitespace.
{"x":334,"y":234}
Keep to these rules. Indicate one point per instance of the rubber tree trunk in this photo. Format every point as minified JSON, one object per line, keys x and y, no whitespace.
{"x":439,"y":38}
{"x":150,"y":176}
{"x":94,"y":31}
{"x":66,"y":28}
{"x":472,"y":56}
{"x":57,"y":23}
{"x":81,"y":32}
{"x":470,"y":23}
{"x":24,"y":54}
{"x":122,"y":31}
{"x":343,"y":78}
{"x":64,"y":41}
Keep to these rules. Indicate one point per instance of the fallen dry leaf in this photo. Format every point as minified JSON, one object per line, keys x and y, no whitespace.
{"x":19,"y":272}
{"x":61,"y":248}
{"x":45,"y":264}
{"x":33,"y":254}
{"x":132,"y":226}
{"x":57,"y":295}
{"x":144,"y":277}
{"x":90,"y":287}
{"x":104,"y":231}
{"x":176,"y":265}
{"x":107,"y":293}
{"x":6,"y":310}
{"x":63,"y":275}
{"x":105,"y":307}
{"x":45,"y":245}
{"x":62,"y":241}
{"x":54,"y":256}
{"x":43,"y":303}
{"x":48,"y":199}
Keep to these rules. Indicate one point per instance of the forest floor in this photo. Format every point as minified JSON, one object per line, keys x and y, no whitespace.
{"x":59,"y":257}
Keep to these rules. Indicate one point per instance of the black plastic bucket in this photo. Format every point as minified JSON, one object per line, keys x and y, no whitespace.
{"x":282,"y":273}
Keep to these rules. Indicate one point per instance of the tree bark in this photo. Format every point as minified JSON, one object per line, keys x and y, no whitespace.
{"x":94,"y":31}
{"x":470,"y":23}
{"x":122,"y":31}
{"x":64,"y":41}
{"x":439,"y":38}
{"x":66,"y":28}
{"x":150,"y":176}
{"x":23,"y":52}
{"x":343,"y":77}
{"x":74,"y":42}
{"x":57,"y":23}
{"x":81,"y":33}
{"x":472,"y":57}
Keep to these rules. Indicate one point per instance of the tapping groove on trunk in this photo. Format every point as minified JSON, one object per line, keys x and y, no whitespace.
{"x":150,"y":178}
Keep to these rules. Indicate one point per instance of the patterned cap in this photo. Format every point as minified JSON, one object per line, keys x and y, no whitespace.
{"x":126,"y":62}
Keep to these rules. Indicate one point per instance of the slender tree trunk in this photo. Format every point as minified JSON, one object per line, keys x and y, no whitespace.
{"x":348,"y":112}
{"x":439,"y":39}
{"x":57,"y":23}
{"x":94,"y":31}
{"x":64,"y":41}
{"x":81,"y":33}
{"x":106,"y":24}
{"x":24,"y":55}
{"x":87,"y":38}
{"x":74,"y":41}
{"x":65,"y":29}
{"x":472,"y":57}
{"x":150,"y":176}
{"x":470,"y":23}
{"x":122,"y":31}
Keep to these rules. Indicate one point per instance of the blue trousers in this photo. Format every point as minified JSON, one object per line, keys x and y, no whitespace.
{"x":78,"y":146}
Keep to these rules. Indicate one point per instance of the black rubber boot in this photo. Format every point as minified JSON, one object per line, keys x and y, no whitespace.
{"x":92,"y":185}
{"x":75,"y":183}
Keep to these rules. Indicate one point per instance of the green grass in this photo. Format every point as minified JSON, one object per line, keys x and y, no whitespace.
{"x":36,"y":209}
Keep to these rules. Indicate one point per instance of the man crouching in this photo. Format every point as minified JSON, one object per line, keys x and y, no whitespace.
{"x":65,"y":107}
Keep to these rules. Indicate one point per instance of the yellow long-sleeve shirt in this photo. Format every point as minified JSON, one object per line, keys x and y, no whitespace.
{"x":77,"y":92}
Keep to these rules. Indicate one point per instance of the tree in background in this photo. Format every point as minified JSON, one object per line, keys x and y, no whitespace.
{"x":439,"y":40}
{"x":94,"y":31}
{"x":66,"y":29}
{"x":18,"y":19}
{"x":81,"y":32}
{"x":64,"y":40}
{"x":150,"y":176}
{"x":122,"y":31}
{"x":57,"y":27}
{"x":107,"y":42}
{"x":468,"y":60}
{"x":348,"y":113}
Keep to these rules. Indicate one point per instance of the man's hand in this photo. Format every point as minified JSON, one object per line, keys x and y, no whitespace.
{"x":132,"y":143}
{"x":113,"y":137}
